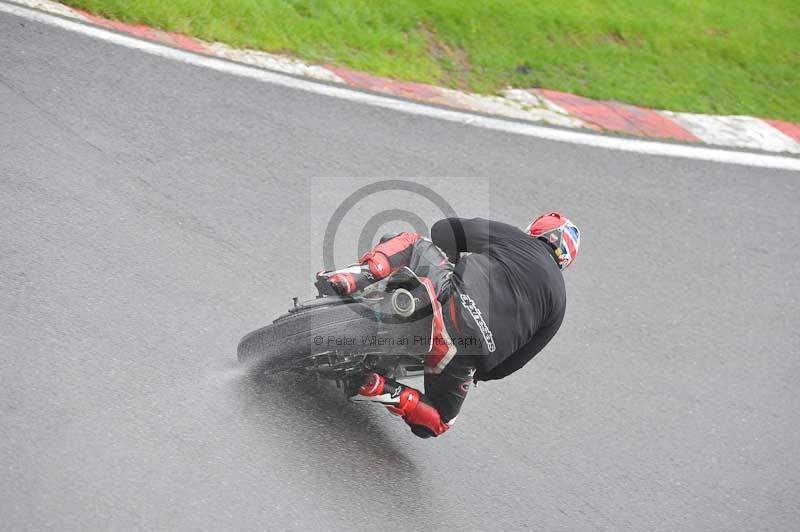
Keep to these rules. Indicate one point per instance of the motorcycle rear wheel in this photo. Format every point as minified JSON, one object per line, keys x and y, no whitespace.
{"x":307,"y":332}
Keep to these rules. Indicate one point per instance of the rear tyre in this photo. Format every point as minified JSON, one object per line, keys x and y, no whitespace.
{"x":307,"y":332}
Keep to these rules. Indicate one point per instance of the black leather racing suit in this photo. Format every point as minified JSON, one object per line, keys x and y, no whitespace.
{"x":500,"y":304}
{"x":510,"y":282}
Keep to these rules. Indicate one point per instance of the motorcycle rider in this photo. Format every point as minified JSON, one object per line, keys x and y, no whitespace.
{"x":493,"y":310}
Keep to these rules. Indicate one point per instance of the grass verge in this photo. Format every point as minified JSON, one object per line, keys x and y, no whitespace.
{"x":704,"y":56}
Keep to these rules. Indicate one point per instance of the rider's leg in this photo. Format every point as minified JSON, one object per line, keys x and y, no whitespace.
{"x":448,"y":377}
{"x":448,"y":374}
{"x":388,"y":256}
{"x":410,"y":404}
{"x":428,"y":414}
{"x":448,"y":389}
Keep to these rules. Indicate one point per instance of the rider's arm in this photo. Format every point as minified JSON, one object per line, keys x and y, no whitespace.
{"x":459,"y":235}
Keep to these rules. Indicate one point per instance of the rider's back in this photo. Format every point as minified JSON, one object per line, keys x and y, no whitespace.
{"x":511,"y":283}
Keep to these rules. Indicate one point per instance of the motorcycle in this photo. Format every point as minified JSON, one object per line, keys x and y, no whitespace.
{"x":385,"y":328}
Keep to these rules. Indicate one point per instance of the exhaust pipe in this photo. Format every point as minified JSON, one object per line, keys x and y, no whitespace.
{"x":403,"y":302}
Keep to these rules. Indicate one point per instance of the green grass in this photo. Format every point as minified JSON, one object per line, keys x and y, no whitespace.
{"x":705,"y":56}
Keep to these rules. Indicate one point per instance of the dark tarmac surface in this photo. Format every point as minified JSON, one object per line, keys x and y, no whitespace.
{"x":153,"y":213}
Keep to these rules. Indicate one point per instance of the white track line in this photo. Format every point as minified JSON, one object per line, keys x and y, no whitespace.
{"x":530,"y":130}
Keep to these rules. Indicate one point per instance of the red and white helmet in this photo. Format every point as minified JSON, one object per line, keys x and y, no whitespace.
{"x":560,"y":233}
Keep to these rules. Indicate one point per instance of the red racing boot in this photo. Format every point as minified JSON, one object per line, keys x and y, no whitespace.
{"x":404,"y":401}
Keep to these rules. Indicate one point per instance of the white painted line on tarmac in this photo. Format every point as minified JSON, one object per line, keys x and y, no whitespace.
{"x":530,"y":130}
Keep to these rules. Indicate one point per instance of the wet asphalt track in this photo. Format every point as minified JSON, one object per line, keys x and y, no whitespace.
{"x":153,"y":213}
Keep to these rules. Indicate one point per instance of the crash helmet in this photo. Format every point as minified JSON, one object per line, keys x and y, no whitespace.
{"x":561,"y":234}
